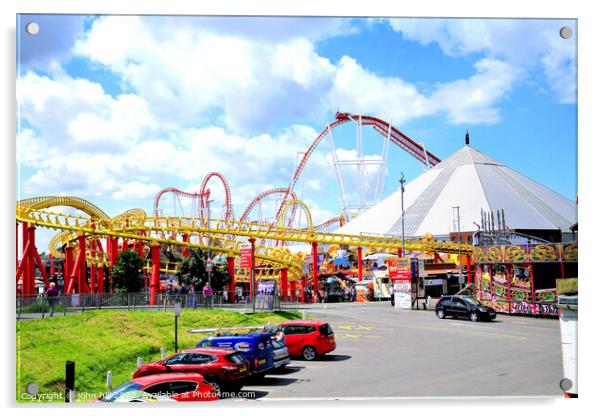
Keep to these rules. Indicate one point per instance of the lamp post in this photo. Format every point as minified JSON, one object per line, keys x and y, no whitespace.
{"x":209,"y":201}
{"x":403,"y":215}
{"x":457,"y":209}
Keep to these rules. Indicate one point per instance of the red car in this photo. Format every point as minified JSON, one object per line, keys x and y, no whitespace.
{"x":224,"y":369}
{"x":182,"y":387}
{"x":308,"y":339}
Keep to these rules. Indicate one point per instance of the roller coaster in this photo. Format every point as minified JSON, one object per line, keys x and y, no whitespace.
{"x":87,"y":264}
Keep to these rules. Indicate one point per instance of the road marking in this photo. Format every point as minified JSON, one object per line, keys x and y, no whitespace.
{"x":363,"y":328}
{"x":356,"y":336}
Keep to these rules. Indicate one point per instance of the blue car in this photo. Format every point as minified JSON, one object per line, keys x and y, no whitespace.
{"x":256,"y":347}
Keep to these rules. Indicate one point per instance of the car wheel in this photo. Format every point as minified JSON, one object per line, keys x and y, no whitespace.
{"x":309,"y":353}
{"x":474,"y":317}
{"x":213,"y":382}
{"x":440,"y":314}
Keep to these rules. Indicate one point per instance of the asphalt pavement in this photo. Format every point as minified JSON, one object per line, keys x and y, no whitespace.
{"x":387,"y":352}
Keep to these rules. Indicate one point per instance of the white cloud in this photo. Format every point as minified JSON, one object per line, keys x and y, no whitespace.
{"x":357,"y":90}
{"x":473,"y":100}
{"x":525,"y":43}
{"x":188,"y":72}
{"x":77,"y":114}
{"x":463,"y":101}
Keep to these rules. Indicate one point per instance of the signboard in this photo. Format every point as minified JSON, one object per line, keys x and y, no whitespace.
{"x":433,"y":282}
{"x":264,"y":298}
{"x":400,"y":273}
{"x":245,"y":255}
{"x":208,"y":266}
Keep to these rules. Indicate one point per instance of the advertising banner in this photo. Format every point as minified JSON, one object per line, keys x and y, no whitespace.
{"x":400,"y":273}
{"x":245,"y":256}
{"x":264,"y":299}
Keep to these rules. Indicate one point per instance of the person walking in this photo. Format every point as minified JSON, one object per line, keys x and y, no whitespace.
{"x":52,"y":294}
{"x":208,"y":294}
{"x":191,"y":297}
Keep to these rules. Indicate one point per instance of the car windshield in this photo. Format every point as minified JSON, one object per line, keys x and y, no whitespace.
{"x":128,"y":386}
{"x":277,"y":344}
{"x":473,"y":301}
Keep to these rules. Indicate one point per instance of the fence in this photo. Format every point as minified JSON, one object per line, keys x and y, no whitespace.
{"x":39,"y":304}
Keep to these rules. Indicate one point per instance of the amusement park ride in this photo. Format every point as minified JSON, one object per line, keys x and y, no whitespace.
{"x":79,"y":242}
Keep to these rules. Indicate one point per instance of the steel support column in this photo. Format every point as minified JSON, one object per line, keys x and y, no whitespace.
{"x":314,"y":258}
{"x":252,"y":279}
{"x":155,"y":274}
{"x":284,"y":284}
{"x":294,"y":291}
{"x":231,"y":272}
{"x":360,"y":268}
{"x":185,"y":251}
{"x":68,"y":267}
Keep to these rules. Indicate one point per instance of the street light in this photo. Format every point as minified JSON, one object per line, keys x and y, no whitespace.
{"x":403,"y":215}
{"x":457,"y":208}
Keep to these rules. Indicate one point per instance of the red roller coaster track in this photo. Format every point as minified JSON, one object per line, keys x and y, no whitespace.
{"x":381,"y":126}
{"x":179,"y":193}
{"x":258,"y":198}
{"x":229,"y":214}
{"x":203,"y":196}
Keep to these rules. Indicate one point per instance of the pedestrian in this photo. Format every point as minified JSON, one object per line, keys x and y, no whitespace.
{"x":191,"y":297}
{"x":225,"y":295}
{"x":52,"y":294}
{"x":182,"y":294}
{"x":279,"y":335}
{"x":208,"y":294}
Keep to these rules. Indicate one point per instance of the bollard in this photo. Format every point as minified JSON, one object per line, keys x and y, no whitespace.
{"x":109,"y":380}
{"x":304,"y":314}
{"x":139,"y":361}
{"x":69,"y":381}
{"x":162,"y":353}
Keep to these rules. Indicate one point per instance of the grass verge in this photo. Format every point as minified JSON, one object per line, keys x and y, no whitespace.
{"x":101,"y":341}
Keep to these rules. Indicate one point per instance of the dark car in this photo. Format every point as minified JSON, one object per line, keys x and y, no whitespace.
{"x":463,"y":307}
{"x":224,"y":369}
{"x":256,"y":347}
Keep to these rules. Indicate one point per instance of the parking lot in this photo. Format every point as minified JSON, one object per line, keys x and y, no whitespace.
{"x":386,"y":352}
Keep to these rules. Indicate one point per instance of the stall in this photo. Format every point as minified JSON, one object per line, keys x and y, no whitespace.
{"x":521,"y":279}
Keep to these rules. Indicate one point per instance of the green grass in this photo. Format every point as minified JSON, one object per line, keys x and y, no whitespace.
{"x":101,"y":341}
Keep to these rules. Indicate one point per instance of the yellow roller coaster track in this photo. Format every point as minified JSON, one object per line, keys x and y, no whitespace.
{"x":153,"y":227}
{"x":135,"y":225}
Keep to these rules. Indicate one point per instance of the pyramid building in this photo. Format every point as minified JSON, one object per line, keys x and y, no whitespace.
{"x":474,"y":182}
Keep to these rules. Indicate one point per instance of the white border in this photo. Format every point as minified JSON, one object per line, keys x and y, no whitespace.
{"x":589,"y":189}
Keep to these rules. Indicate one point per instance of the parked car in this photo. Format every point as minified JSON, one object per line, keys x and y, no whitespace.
{"x":280,"y":354}
{"x":463,"y":307}
{"x":308,"y":339}
{"x":224,"y":369}
{"x":256,"y":347}
{"x":174,"y":386}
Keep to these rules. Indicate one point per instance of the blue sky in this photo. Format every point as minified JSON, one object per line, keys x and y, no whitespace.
{"x":115,"y":108}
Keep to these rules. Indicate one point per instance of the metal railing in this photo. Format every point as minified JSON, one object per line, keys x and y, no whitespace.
{"x":42,"y":305}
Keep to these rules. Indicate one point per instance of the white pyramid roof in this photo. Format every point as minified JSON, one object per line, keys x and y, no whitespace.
{"x":473,"y":181}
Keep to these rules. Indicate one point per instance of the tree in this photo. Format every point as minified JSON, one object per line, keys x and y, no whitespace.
{"x":127,"y":273}
{"x":192,"y":271}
